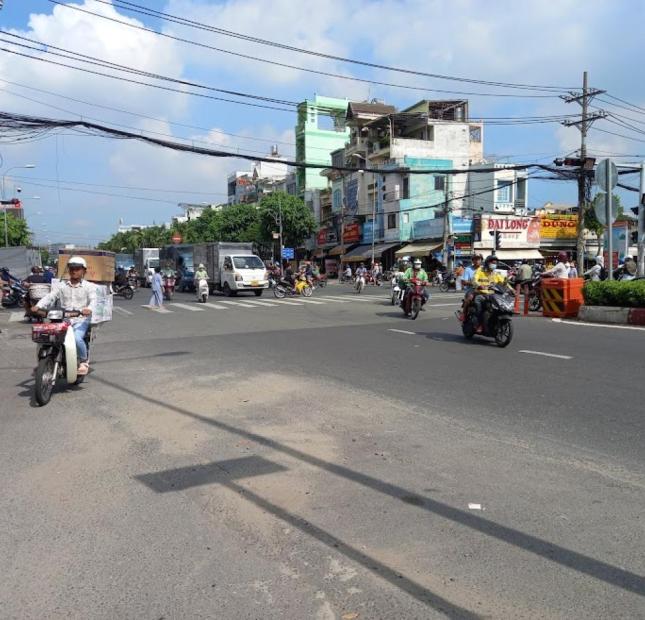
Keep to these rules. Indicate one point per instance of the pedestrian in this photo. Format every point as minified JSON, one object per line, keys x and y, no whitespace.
{"x":523,"y":278}
{"x":156,"y":299}
{"x":573,"y":269}
{"x":459,"y":274}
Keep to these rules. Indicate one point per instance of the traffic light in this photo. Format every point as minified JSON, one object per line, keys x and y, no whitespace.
{"x":575,"y":162}
{"x":497,"y":240}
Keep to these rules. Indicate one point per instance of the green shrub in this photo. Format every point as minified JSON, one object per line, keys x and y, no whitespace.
{"x":630,"y":294}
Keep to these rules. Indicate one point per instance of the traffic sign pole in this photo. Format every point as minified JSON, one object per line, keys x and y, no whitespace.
{"x":641,"y":224}
{"x":608,"y":199}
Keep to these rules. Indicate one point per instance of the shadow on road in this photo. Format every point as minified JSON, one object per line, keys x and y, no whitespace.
{"x":140,"y":357}
{"x":562,"y":556}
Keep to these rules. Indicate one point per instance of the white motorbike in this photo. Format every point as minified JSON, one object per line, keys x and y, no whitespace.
{"x":397,"y":292}
{"x":360,"y":283}
{"x":202,"y":290}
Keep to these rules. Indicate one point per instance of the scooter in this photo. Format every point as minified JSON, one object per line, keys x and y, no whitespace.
{"x":14,"y":295}
{"x":414,"y":300}
{"x":359,"y":285}
{"x":56,"y":353}
{"x":496,"y":318}
{"x":123,"y":290}
{"x":202,"y":290}
{"x":396,"y":292}
{"x":169,"y":282}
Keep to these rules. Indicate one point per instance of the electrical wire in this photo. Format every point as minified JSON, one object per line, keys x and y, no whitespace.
{"x":141,"y":9}
{"x":295,"y":67}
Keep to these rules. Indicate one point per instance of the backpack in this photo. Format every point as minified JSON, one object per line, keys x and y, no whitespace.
{"x":603,"y":273}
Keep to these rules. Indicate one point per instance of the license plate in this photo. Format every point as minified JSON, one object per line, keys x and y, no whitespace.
{"x":254,"y":282}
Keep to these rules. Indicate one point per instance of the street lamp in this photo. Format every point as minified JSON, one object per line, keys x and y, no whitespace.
{"x":4,"y":206}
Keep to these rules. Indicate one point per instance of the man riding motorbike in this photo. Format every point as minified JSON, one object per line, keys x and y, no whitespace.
{"x":75,"y":294}
{"x":483,"y":279}
{"x":416,"y":272}
{"x":200,"y":274}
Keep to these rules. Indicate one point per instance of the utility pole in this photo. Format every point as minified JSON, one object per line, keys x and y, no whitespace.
{"x":584,"y":175}
{"x":641,"y":224}
{"x":447,"y":228}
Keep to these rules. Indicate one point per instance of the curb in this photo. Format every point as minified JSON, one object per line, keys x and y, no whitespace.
{"x":612,"y":314}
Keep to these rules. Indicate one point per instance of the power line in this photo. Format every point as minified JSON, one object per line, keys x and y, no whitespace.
{"x":136,"y":8}
{"x":293,"y":67}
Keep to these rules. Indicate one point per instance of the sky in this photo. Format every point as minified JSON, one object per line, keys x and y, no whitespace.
{"x":83,"y":185}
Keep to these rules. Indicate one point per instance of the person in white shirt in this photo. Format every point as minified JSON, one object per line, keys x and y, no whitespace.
{"x":594,"y":273}
{"x":74,"y":295}
{"x":560,"y":270}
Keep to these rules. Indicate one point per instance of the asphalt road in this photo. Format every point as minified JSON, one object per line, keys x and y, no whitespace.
{"x":325,"y":459}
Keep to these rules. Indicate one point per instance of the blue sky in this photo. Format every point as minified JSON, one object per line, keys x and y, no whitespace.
{"x":507,"y":41}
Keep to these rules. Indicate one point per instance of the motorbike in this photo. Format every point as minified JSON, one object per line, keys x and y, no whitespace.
{"x":169,"y":282}
{"x":202,"y":290}
{"x":414,"y":299}
{"x":284,"y":289}
{"x":496,"y":317}
{"x":35,"y":292}
{"x":56,"y":353}
{"x":320,"y":281}
{"x":397,"y":292}
{"x":14,"y":295}
{"x":447,"y":282}
{"x":359,"y":284}
{"x":123,"y":290}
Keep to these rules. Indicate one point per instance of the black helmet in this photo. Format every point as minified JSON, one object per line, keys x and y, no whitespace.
{"x":489,"y":260}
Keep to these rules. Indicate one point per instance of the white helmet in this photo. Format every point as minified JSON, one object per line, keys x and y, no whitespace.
{"x":201,"y":266}
{"x":76,"y":261}
{"x":417,"y":262}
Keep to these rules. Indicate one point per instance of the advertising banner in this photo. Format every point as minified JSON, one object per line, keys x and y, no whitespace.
{"x":352,"y":233}
{"x":559,"y":227}
{"x":516,"y":232}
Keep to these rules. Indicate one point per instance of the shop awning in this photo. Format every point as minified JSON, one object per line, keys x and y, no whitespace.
{"x":318,"y":253}
{"x":519,"y":254}
{"x":362,"y":252}
{"x":379,"y":248}
{"x":336,"y":250}
{"x":418,"y":249}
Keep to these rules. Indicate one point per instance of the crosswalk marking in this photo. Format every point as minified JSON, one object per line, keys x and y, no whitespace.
{"x":187,"y":307}
{"x":348,"y":298}
{"x":336,"y":301}
{"x":16,"y":316}
{"x":121,"y":310}
{"x":289,"y":302}
{"x":259,"y":303}
{"x":159,"y":309}
{"x":311,"y":301}
{"x":239,"y":303}
{"x":215,"y":306}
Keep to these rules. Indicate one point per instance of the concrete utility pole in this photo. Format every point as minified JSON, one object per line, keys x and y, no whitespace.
{"x":641,"y":223}
{"x":610,"y":219}
{"x":584,"y":175}
{"x":447,"y":227}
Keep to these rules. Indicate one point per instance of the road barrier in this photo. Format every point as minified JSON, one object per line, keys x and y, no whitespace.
{"x":562,"y":297}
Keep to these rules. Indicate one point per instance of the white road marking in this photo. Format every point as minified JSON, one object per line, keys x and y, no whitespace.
{"x":259,"y":303}
{"x":16,"y":316}
{"x":187,"y":307}
{"x":431,"y":305}
{"x":242,"y":304}
{"x":402,"y":331}
{"x":348,"y":298}
{"x":160,"y":310}
{"x":583,"y":324}
{"x":561,"y":357}
{"x":289,"y":302}
{"x":215,"y":306}
{"x":310,"y":301}
{"x":335,"y":301}
{"x":121,"y":310}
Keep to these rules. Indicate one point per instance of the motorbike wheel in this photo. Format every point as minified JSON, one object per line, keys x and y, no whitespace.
{"x":128,"y":293}
{"x":307,"y":291}
{"x":322,"y":284}
{"x":504,"y":333}
{"x":44,"y":380}
{"x":468,"y":328}
{"x":394,"y":296}
{"x":444,"y":287}
{"x":416,"y":308}
{"x":204,"y":297}
{"x":279,"y":291}
{"x":535,"y":303}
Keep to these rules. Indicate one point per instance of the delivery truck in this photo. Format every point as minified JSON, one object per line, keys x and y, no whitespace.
{"x":183,"y":259}
{"x":145,"y":261}
{"x":233,"y":267}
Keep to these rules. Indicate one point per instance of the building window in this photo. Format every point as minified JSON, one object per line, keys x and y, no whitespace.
{"x":439,"y":183}
{"x":520,"y":192}
{"x":406,"y":187}
{"x":405,"y":218}
{"x":391,"y":220}
{"x":475,"y":133}
{"x":337,"y":198}
{"x":504,"y":191}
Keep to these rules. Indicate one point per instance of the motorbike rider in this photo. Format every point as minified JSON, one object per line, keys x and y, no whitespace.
{"x":200,"y":274}
{"x":416,"y":272}
{"x":467,"y":281}
{"x":75,"y":294}
{"x":483,"y":279}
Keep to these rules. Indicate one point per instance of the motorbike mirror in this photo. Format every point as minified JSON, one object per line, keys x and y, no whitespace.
{"x":55,"y":314}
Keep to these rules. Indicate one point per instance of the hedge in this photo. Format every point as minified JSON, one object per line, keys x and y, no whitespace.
{"x":630,"y":294}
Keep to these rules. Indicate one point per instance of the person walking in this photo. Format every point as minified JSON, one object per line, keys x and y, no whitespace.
{"x":156,"y":299}
{"x":573,"y":270}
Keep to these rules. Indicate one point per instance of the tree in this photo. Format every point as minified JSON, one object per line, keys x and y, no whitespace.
{"x":17,"y":231}
{"x":298,"y":222}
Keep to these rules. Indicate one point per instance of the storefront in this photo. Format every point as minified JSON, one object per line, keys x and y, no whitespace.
{"x":558,"y":233}
{"x":519,"y":236}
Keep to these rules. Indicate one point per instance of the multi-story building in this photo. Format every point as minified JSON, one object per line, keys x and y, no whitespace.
{"x":265,"y":177}
{"x":502,"y":190}
{"x":320,"y":130}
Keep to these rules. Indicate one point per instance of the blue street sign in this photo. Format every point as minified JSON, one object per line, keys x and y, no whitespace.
{"x":288,"y":253}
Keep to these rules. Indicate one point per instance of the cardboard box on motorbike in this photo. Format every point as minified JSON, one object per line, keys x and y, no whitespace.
{"x":100,"y":271}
